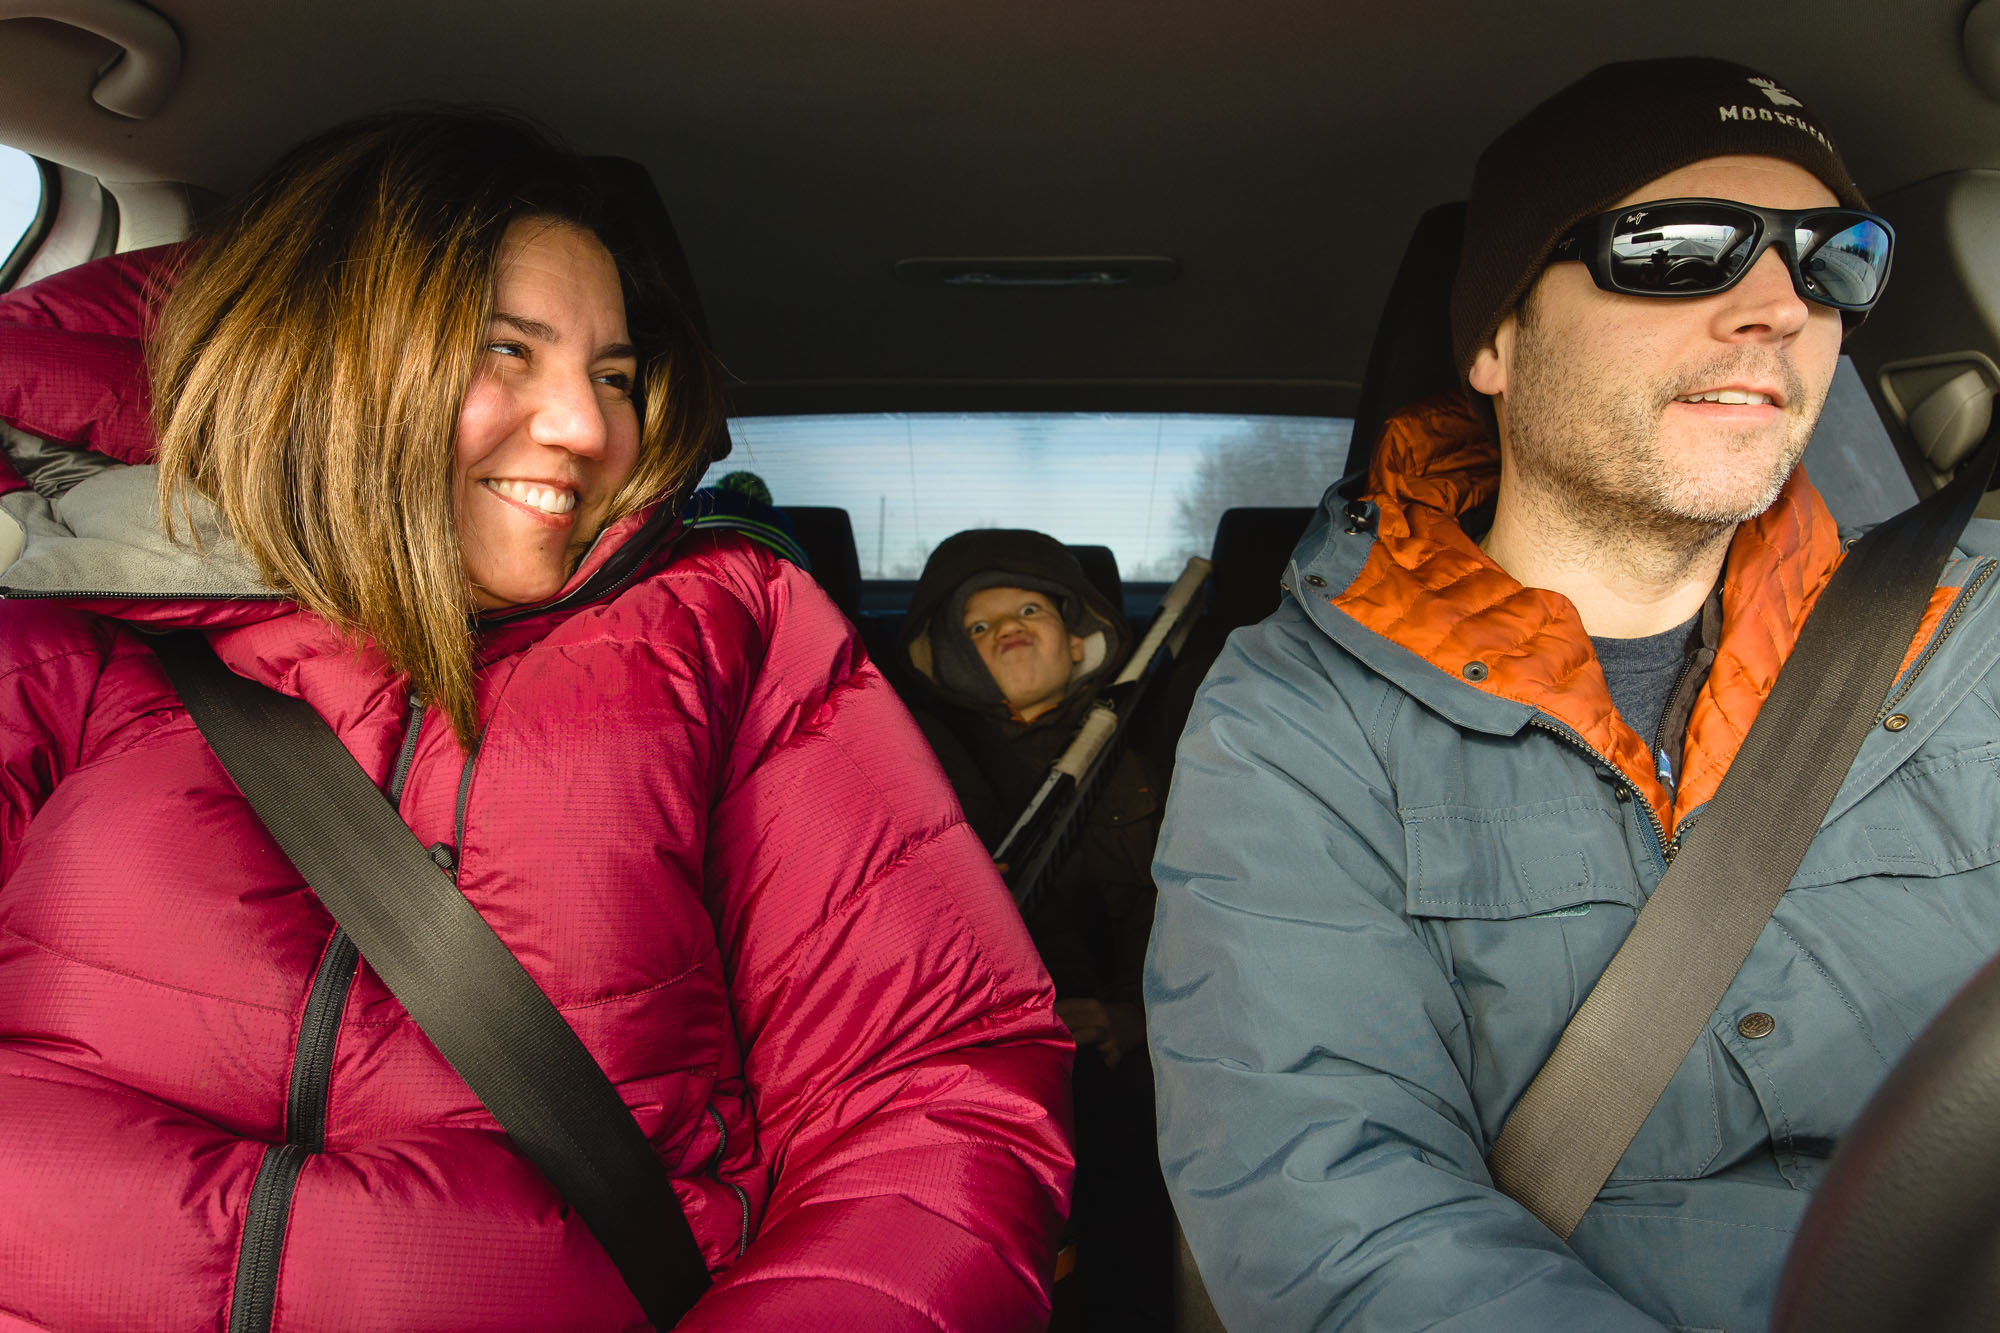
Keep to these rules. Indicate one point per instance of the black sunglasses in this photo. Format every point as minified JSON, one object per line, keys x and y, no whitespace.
{"x":1838,"y":257}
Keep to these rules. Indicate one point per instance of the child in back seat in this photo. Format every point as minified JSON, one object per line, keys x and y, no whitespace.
{"x":1005,"y":647}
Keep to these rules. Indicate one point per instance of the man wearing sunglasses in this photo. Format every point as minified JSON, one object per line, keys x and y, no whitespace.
{"x":1416,"y":811}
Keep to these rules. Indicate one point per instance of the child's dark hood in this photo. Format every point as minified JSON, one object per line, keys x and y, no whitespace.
{"x":942,"y":659}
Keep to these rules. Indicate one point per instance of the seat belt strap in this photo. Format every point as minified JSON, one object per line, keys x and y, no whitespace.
{"x":437,"y":955}
{"x":1623,"y":1045}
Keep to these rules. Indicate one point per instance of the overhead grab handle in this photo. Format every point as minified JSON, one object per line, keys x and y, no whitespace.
{"x":142,"y":76}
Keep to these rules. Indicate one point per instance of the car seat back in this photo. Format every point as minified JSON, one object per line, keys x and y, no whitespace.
{"x":1252,"y":547}
{"x":1100,"y":566}
{"x":1411,"y":358}
{"x":1251,"y":550}
{"x":827,"y":535}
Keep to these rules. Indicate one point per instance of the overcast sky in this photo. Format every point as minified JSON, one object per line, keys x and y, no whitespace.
{"x":908,"y":481}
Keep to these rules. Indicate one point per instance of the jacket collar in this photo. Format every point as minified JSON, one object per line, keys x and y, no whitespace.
{"x":1423,"y":588}
{"x":101,"y":549}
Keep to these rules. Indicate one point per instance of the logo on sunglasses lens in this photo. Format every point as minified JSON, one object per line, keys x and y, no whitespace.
{"x":1778,"y":96}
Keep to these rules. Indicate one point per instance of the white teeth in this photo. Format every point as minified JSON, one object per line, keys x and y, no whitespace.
{"x":1738,"y":397}
{"x":548,"y":499}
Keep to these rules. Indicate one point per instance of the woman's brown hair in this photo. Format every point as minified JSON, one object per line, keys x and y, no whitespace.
{"x":309,"y":367}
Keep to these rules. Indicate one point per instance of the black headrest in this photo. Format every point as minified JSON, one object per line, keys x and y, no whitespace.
{"x":1251,"y":548}
{"x":1100,"y":566}
{"x":1411,"y":359}
{"x":630,"y":187}
{"x":828,"y":539}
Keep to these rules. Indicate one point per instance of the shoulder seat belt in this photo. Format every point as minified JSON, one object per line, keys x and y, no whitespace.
{"x":1639,"y":1022}
{"x":437,"y":955}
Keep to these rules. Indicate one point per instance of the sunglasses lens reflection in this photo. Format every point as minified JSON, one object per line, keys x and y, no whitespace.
{"x":1680,"y":249}
{"x":1690,"y":249}
{"x":1845,"y":265}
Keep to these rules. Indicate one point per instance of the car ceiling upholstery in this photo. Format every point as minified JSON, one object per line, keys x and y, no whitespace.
{"x":1280,"y":152}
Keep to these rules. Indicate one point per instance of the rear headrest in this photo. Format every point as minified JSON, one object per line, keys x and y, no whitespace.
{"x":1411,"y":359}
{"x":1251,"y":549}
{"x":828,"y":538}
{"x":1100,"y":566}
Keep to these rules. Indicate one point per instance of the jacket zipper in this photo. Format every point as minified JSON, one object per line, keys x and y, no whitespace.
{"x":592,"y":590}
{"x":1663,"y":846}
{"x":1654,"y":749}
{"x":70,"y":594}
{"x":464,"y":794}
{"x":581,"y":596}
{"x":270,"y":1207}
{"x":1951,"y":619}
{"x":1680,"y":683}
{"x":1666,"y":847}
{"x":715,"y":1174}
{"x":264,"y":1236}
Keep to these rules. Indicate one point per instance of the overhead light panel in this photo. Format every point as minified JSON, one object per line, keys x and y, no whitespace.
{"x":1048,"y":271}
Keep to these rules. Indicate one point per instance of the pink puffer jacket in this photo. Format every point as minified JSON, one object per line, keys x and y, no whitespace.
{"x":696,"y":814}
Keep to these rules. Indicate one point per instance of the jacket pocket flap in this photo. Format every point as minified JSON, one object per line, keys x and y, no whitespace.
{"x":1493,"y":863}
{"x":1923,"y":823}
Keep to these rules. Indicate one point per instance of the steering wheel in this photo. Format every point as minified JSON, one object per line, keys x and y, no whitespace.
{"x":1689,"y":271}
{"x":1904,"y":1231}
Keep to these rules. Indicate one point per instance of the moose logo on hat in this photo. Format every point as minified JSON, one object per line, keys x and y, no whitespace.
{"x":1778,"y":96}
{"x":1565,"y":161}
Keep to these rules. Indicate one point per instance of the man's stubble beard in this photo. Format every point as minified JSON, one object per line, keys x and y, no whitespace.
{"x":1585,"y":450}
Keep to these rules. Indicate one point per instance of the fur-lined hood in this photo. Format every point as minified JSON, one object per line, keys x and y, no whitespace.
{"x":943,"y":662}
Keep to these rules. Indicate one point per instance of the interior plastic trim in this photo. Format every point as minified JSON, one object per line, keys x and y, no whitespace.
{"x":143,"y":75}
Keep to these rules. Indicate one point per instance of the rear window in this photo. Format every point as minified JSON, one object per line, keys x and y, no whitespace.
{"x":1150,"y":487}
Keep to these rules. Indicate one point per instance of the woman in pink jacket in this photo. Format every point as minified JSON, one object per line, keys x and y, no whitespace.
{"x":423,"y":405}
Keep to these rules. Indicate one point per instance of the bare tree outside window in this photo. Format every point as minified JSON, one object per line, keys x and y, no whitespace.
{"x":1271,"y":462}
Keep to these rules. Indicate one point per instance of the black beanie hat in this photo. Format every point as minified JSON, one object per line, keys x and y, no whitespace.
{"x":1596,"y":141}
